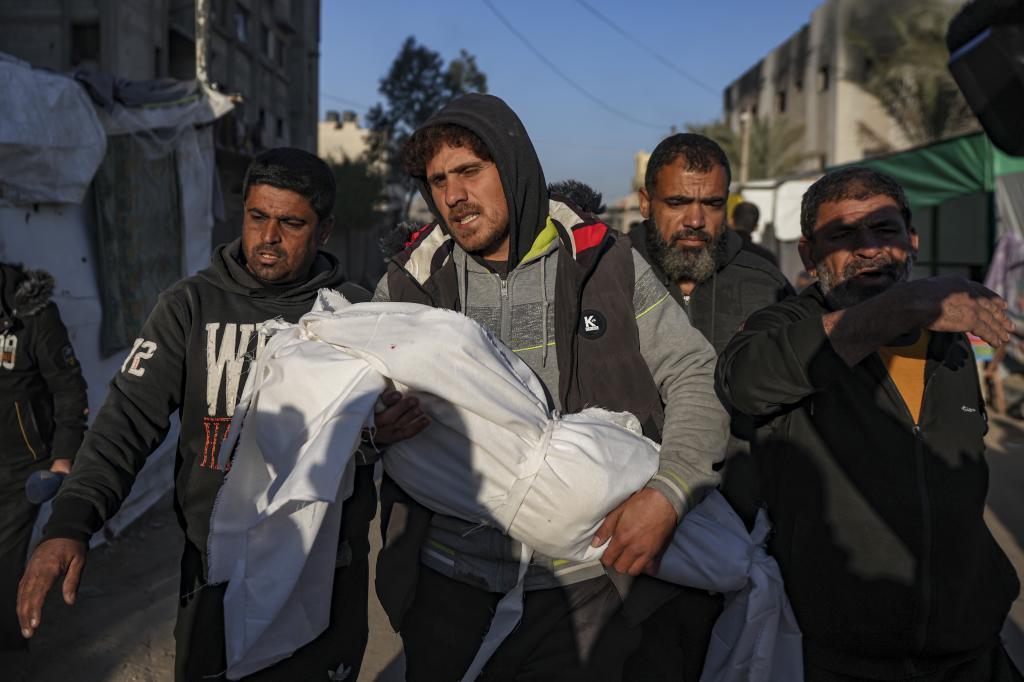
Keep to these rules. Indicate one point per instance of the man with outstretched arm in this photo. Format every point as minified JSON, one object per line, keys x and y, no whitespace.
{"x":872,"y":458}
{"x":191,"y":357}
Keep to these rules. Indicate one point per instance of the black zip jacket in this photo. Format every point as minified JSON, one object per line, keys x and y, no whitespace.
{"x":191,"y":357}
{"x":742,"y":283}
{"x":43,"y":402}
{"x":878,"y":519}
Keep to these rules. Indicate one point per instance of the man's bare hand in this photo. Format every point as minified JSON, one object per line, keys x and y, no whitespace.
{"x":61,"y":465}
{"x":954,"y":304}
{"x":639,"y":529}
{"x":52,"y":559}
{"x":402,"y":418}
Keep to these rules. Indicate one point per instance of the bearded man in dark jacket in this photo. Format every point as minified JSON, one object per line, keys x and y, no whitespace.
{"x":191,"y":357}
{"x":687,"y":240}
{"x":42,"y":420}
{"x":872,"y":461}
{"x":719,"y":283}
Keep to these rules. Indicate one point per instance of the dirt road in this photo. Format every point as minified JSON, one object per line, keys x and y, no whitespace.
{"x":121,"y":630}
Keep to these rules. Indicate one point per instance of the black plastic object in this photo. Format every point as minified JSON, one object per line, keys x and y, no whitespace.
{"x":42,"y":486}
{"x":986,"y":45}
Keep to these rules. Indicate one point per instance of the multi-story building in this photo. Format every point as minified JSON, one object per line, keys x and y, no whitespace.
{"x":266,"y":51}
{"x":340,"y":137}
{"x":624,"y":213}
{"x":812,"y":80}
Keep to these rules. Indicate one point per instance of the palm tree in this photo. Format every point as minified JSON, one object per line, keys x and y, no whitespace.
{"x":775,"y":145}
{"x":908,"y":73}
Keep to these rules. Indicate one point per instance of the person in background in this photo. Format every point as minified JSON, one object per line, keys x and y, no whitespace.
{"x":42,"y":420}
{"x":745,"y":218}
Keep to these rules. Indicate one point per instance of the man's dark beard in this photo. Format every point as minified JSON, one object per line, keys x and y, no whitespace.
{"x":842,"y":292}
{"x":687,"y":265}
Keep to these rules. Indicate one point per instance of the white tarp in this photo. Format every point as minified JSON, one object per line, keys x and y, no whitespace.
{"x":51,"y":140}
{"x":788,"y":198}
{"x":181,"y":127}
{"x":493,"y":454}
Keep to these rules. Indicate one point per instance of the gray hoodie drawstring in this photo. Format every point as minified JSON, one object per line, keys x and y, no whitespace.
{"x":465,"y":283}
{"x":544,"y":299}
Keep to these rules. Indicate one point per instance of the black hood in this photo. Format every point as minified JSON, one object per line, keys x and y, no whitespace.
{"x":733,"y":246}
{"x":25,"y":292}
{"x":518,"y":166}
{"x":227,"y":271}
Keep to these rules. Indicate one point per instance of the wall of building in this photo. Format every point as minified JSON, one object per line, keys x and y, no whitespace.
{"x":127,"y":39}
{"x":341,"y":138}
{"x":811,"y":80}
{"x":267,"y":51}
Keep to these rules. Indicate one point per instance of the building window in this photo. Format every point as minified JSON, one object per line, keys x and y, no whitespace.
{"x":780,"y":102}
{"x":270,"y":47}
{"x":280,"y":128}
{"x":242,"y":24}
{"x":823,"y":79}
{"x":219,"y":12}
{"x":280,"y":53}
{"x":85,"y":43}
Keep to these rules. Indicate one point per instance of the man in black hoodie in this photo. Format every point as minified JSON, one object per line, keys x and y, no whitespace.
{"x":719,"y":283}
{"x":872,"y":460}
{"x":191,"y":357}
{"x":42,"y":419}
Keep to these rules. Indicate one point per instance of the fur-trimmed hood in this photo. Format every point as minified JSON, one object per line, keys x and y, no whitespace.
{"x":25,"y":292}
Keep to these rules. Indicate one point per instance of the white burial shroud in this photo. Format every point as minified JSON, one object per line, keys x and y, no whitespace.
{"x":493,"y":454}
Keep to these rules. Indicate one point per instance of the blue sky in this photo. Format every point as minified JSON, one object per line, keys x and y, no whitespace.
{"x":713,"y":41}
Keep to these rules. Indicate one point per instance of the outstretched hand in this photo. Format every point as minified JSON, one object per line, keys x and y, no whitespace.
{"x":52,"y":559}
{"x":954,"y":304}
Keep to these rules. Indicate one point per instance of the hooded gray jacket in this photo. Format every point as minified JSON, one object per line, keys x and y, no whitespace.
{"x":519,"y":310}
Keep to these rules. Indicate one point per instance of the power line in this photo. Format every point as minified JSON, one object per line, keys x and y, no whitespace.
{"x":645,"y":47}
{"x":561,"y":74}
{"x":342,"y":100}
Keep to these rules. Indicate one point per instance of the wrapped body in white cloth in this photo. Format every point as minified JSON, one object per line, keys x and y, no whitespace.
{"x":493,"y":454}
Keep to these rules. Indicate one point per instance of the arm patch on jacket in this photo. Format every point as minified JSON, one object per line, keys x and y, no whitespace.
{"x":68,"y":353}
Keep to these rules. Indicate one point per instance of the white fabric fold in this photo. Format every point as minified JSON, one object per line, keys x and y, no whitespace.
{"x":757,"y":636}
{"x":493,"y":454}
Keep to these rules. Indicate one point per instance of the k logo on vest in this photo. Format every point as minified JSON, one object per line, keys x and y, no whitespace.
{"x":593,"y":324}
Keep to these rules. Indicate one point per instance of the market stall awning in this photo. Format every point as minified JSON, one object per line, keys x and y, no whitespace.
{"x":944,"y":170}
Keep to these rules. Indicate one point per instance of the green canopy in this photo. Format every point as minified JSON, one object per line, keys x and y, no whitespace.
{"x":944,"y":170}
